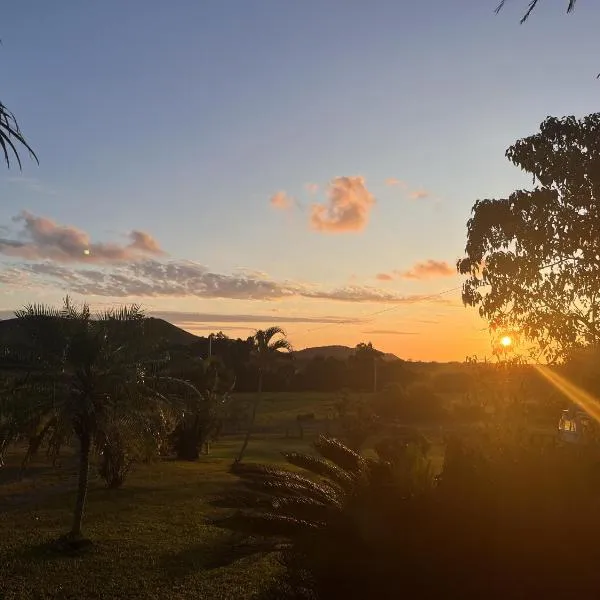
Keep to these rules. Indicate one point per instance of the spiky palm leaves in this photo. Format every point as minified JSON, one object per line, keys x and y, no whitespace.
{"x":531,"y":7}
{"x":269,"y":346}
{"x":9,"y":134}
{"x":86,"y":376}
{"x":204,"y":387}
{"x":336,"y":514}
{"x":338,"y":483}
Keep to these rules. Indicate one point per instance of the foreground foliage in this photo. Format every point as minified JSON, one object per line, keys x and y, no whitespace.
{"x":69,"y":374}
{"x":502,"y":520}
{"x":532,"y":260}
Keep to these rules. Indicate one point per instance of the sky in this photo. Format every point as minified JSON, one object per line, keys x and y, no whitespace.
{"x":237,"y":164}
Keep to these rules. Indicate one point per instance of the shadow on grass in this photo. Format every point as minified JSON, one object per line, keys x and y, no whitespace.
{"x":14,"y":473}
{"x":52,"y":549}
{"x":213,"y":556}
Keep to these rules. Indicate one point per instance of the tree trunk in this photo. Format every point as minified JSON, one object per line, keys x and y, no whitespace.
{"x":251,"y":424}
{"x":82,"y":485}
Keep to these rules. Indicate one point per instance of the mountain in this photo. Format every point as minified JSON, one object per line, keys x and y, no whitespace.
{"x":339,"y":352}
{"x":156,"y":330}
{"x":170,"y":334}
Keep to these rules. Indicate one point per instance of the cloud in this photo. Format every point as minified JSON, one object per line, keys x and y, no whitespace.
{"x":384,"y":277}
{"x":388,"y":332}
{"x":393,"y":182}
{"x":348,"y":207}
{"x":311,"y":188}
{"x":419,"y":194}
{"x":192,"y":317}
{"x":43,"y":238}
{"x":429,"y":270}
{"x":281,"y":201}
{"x":186,"y":279}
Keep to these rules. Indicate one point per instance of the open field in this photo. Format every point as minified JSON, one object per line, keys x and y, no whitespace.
{"x":152,"y":538}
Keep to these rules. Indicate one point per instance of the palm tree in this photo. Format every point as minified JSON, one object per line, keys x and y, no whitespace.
{"x":205,"y":386}
{"x":531,"y":7}
{"x":9,"y":134}
{"x":268,"y":348}
{"x":84,"y":376}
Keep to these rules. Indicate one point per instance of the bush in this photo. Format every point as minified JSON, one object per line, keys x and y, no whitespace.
{"x":417,"y":403}
{"x":507,"y":517}
{"x":115,"y":461}
{"x":455,"y":382}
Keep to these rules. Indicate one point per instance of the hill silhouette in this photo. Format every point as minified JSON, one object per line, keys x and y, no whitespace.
{"x":168,"y":334}
{"x":335,"y":351}
{"x":157,"y":331}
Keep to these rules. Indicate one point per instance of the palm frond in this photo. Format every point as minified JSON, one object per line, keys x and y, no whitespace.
{"x":303,"y":509}
{"x":340,"y":454}
{"x":9,"y":131}
{"x":266,"y":478}
{"x":271,"y":332}
{"x":531,"y":8}
{"x":133,"y":312}
{"x":280,"y":344}
{"x":38,"y":310}
{"x":321,"y":467}
{"x":266,"y":524}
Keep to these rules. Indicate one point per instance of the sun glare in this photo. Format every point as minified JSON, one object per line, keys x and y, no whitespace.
{"x":506,"y":341}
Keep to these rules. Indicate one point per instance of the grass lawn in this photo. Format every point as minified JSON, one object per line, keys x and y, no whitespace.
{"x":152,"y":539}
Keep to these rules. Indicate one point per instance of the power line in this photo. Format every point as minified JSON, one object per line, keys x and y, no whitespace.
{"x":386,"y":310}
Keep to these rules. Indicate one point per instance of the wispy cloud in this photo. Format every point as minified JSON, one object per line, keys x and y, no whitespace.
{"x":311,"y":188}
{"x":281,"y":201}
{"x":43,"y":238}
{"x":154,"y":279}
{"x":193,"y":317}
{"x":347,"y":208}
{"x":429,"y":269}
{"x":393,"y":182}
{"x":419,"y":194}
{"x":388,"y":332}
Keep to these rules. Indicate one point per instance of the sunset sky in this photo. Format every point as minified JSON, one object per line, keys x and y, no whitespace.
{"x":233,"y":164}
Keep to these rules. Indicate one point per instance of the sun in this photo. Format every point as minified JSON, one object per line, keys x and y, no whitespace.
{"x":506,"y":341}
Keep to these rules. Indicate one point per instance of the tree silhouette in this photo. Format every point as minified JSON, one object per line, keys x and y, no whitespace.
{"x":11,"y":133}
{"x":531,"y":7}
{"x":269,"y":345}
{"x":85,"y":376}
{"x":533,"y":259}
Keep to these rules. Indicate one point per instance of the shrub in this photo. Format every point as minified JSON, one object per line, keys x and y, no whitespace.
{"x":507,"y":517}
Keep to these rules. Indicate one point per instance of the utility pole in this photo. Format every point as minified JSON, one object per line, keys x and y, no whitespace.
{"x":210,"y":345}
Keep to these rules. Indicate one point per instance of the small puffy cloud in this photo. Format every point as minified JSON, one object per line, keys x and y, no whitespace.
{"x":43,"y":238}
{"x":347,"y":209}
{"x":281,"y":201}
{"x":393,"y":182}
{"x":311,"y":188}
{"x":419,"y":194}
{"x":429,"y":269}
{"x":384,"y":277}
{"x":144,"y":242}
